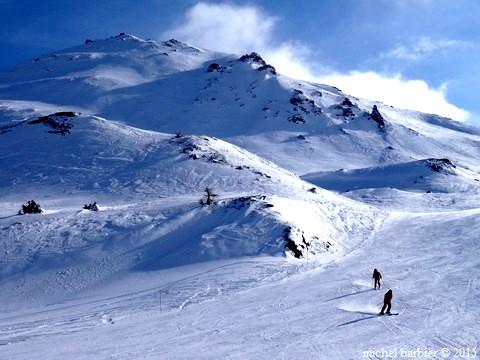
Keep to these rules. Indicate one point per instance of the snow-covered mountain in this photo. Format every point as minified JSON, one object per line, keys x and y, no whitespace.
{"x":171,"y":87}
{"x":314,"y":188}
{"x":151,"y":184}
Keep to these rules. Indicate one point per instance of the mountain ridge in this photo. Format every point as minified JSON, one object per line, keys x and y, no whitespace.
{"x":242,"y":101}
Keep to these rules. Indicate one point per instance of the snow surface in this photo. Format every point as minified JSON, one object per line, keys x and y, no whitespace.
{"x":145,"y":128}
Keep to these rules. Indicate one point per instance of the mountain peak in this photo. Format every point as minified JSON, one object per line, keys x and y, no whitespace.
{"x":120,"y":37}
{"x":174,"y":44}
{"x":123,"y":36}
{"x":253,"y":57}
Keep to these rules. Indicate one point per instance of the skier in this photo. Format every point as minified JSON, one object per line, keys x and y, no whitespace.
{"x":376,"y":278}
{"x":387,"y":302}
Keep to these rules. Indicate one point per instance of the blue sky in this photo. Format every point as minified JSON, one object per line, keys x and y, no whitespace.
{"x":422,"y":54}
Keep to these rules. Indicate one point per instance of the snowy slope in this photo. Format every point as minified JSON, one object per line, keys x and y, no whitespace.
{"x":81,"y":74}
{"x":431,"y":175}
{"x":171,"y":86}
{"x":247,"y":309}
{"x":315,"y":189}
{"x":148,"y":186}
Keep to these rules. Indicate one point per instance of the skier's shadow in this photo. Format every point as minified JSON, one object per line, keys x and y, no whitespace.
{"x":347,"y":295}
{"x":8,"y":216}
{"x":358,"y":320}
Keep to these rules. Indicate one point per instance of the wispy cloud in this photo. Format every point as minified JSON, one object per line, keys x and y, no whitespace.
{"x":238,"y":29}
{"x":423,"y":47}
{"x":225,"y":27}
{"x":397,"y":91}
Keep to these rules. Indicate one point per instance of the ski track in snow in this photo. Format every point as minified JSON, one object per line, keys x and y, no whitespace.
{"x":323,"y":312}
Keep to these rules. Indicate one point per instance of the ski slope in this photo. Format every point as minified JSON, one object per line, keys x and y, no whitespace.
{"x":315,"y":189}
{"x":264,"y":307}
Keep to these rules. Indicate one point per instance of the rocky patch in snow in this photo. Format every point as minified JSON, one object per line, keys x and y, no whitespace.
{"x":347,"y":109}
{"x":59,"y":122}
{"x":214,"y":67}
{"x":441,"y":165}
{"x":302,"y":105}
{"x":200,"y":148}
{"x":377,"y":117}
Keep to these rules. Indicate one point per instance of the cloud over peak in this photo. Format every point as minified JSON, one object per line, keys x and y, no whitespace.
{"x":397,"y":91}
{"x":225,"y":27}
{"x":238,"y":29}
{"x":243,"y":28}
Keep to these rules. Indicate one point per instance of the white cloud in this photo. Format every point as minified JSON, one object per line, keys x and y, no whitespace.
{"x":238,"y":29}
{"x":291,"y":59}
{"x":396,"y":91}
{"x":224,"y":27}
{"x":423,"y":47}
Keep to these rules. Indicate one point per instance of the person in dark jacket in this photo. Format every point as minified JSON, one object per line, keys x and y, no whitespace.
{"x":376,"y":278}
{"x":387,"y":302}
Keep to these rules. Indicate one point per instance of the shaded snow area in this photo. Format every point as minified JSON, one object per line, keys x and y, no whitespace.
{"x":190,"y":204}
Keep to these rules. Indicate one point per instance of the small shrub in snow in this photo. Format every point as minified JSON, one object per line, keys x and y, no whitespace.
{"x":31,"y":207}
{"x":208,"y":198}
{"x":91,"y":207}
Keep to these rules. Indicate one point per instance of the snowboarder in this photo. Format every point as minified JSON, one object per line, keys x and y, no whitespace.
{"x":376,"y":278}
{"x":387,"y":302}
